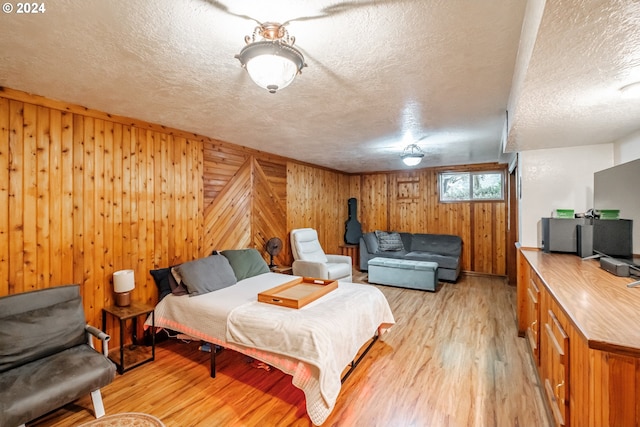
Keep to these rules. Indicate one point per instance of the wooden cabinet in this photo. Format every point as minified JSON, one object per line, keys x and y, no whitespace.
{"x":555,"y":366}
{"x":533,"y":317}
{"x":586,"y":336}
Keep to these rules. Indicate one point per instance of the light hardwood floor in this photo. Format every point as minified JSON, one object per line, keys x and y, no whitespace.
{"x":452,"y":359}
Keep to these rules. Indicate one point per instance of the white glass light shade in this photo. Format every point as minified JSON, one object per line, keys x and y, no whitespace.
{"x":123,"y":281}
{"x":412,"y":155}
{"x":412,"y":161}
{"x":271,"y":72}
{"x":272,"y":65}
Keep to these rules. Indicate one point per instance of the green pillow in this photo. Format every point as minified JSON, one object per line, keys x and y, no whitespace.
{"x":246,"y":262}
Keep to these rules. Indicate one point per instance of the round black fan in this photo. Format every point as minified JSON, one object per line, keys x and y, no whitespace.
{"x":273,"y":247}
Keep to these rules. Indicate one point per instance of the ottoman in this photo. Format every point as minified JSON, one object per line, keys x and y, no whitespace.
{"x":404,"y":273}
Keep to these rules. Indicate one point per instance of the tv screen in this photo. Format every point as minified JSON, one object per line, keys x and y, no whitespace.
{"x":613,"y":237}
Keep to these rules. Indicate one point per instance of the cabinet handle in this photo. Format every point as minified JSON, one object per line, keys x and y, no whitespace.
{"x":534,"y":326}
{"x":558,"y":387}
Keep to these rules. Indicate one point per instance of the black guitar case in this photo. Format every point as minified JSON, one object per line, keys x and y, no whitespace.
{"x":353,"y":229}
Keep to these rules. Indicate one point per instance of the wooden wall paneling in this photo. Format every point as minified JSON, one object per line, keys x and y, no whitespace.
{"x":108,"y":179}
{"x":500,"y":252}
{"x":129,"y":137}
{"x":78,"y":197}
{"x":195,"y":207}
{"x":354,"y":188}
{"x":406,"y":202}
{"x":29,"y":193}
{"x":317,"y":198}
{"x":268,"y":215}
{"x":4,"y":196}
{"x":483,"y":237}
{"x":220,"y":165}
{"x":338,"y":192}
{"x":99,"y":222}
{"x":276,"y":173}
{"x":159,"y":189}
{"x":227,"y":219}
{"x":148,"y":259}
{"x":88,"y":225}
{"x":176,"y":219}
{"x":374,"y":190}
{"x":67,"y":202}
{"x":489,"y":238}
{"x":43,"y":191}
{"x":409,"y":201}
{"x":78,"y":201}
{"x":117,"y":196}
{"x":191,"y":212}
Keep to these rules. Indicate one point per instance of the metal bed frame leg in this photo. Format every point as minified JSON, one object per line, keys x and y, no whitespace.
{"x":213,"y":359}
{"x":356,"y":362}
{"x":353,"y":364}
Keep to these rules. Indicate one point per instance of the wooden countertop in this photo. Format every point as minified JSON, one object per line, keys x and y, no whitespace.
{"x":599,"y":304}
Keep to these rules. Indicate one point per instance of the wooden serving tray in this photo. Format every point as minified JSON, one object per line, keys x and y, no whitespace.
{"x":298,"y":292}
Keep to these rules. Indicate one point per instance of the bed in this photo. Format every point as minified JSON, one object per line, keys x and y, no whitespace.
{"x":313,"y":344}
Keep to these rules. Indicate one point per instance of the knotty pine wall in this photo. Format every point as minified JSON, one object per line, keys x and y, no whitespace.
{"x":408,"y":201}
{"x":83,"y":196}
{"x":84,"y":193}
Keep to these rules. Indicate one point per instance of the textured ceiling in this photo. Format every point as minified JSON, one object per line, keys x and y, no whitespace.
{"x":381,"y":74}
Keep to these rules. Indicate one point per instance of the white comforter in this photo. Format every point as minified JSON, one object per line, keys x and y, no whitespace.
{"x":313,"y":344}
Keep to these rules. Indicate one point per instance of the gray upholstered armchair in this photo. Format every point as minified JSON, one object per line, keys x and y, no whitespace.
{"x":311,"y":261}
{"x":47,"y":357}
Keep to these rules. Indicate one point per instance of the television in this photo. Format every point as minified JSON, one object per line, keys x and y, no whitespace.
{"x":613,"y":238}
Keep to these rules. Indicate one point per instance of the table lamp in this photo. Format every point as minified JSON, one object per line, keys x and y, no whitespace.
{"x":123,"y":284}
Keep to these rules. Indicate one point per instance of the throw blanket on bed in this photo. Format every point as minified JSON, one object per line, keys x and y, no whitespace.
{"x":325,"y":334}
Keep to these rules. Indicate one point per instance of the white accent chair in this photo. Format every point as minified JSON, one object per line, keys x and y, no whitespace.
{"x":311,"y":261}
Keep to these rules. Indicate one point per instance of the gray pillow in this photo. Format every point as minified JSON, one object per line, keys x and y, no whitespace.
{"x":246,"y":262}
{"x":389,"y":241}
{"x":371,"y":242}
{"x":206,"y":274}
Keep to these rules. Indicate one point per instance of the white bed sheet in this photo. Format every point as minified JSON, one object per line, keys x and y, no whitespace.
{"x":207,"y":317}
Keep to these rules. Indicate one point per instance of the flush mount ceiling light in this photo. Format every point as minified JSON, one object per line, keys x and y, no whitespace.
{"x":270,"y":58}
{"x":412,"y":155}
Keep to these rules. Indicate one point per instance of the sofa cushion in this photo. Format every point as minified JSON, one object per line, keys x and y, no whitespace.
{"x":389,"y":241}
{"x":443,"y":244}
{"x":444,"y":261}
{"x":43,"y":385}
{"x":206,"y":274}
{"x":246,"y":262}
{"x":371,"y":241}
{"x":51,"y":322}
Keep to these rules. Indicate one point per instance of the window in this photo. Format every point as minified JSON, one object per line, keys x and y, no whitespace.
{"x":471,"y":186}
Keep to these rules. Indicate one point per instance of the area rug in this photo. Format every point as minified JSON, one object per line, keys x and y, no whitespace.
{"x":128,"y":419}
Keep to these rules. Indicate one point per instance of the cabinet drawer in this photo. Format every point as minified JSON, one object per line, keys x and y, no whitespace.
{"x":556,"y":372}
{"x":533,"y":317}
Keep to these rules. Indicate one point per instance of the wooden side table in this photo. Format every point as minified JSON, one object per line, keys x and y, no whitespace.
{"x":131,"y":355}
{"x":354,"y":252}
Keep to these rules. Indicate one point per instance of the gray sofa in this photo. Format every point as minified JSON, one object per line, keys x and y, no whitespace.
{"x":47,"y":358}
{"x":444,"y":249}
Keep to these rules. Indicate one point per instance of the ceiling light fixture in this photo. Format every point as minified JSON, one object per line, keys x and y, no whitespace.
{"x":270,"y":58}
{"x":412,"y":155}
